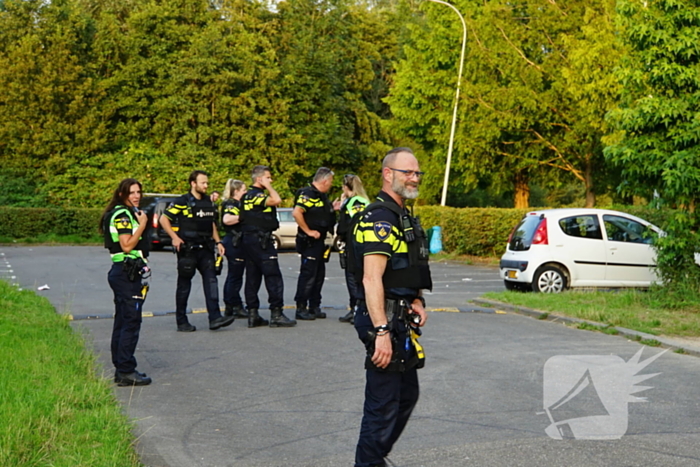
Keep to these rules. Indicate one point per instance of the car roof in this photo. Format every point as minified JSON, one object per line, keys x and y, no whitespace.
{"x":565,"y":212}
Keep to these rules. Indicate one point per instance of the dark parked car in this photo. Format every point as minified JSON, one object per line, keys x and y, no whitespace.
{"x":154,"y":204}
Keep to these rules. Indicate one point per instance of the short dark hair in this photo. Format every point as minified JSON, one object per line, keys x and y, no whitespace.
{"x":195,"y":174}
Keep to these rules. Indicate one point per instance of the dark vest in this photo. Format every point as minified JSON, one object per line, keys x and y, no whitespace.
{"x":320,"y":218}
{"x":257,"y":217}
{"x":411,"y":273}
{"x":197,"y":224}
{"x":237,"y":226}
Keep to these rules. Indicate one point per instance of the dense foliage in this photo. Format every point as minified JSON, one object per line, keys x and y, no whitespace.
{"x":656,"y":144}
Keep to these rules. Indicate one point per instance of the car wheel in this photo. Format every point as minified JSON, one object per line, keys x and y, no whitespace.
{"x":276,"y":242}
{"x":549,"y":279}
{"x":338,"y":244}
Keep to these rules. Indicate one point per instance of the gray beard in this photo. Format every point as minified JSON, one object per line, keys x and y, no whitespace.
{"x":404,"y":191}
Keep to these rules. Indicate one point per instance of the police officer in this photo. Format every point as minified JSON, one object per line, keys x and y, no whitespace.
{"x":194,"y":242}
{"x":259,"y":220}
{"x":123,"y":225}
{"x":315,"y":216}
{"x":390,"y":252}
{"x":354,"y":201}
{"x":231,"y":210}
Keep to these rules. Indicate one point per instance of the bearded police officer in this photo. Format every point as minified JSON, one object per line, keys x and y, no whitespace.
{"x":194,"y":242}
{"x":391,"y":264}
{"x":259,"y":219}
{"x":315,"y":216}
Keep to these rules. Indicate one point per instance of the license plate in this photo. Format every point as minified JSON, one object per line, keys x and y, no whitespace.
{"x":512,"y":274}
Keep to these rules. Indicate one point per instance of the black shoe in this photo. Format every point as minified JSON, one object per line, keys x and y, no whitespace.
{"x":132,"y":379}
{"x":254,"y":319}
{"x":116,"y":375}
{"x":187,"y":327}
{"x":303,"y":314}
{"x":221,"y":322}
{"x":316,"y":311}
{"x":240,"y":312}
{"x":348,"y":318}
{"x":278,"y":320}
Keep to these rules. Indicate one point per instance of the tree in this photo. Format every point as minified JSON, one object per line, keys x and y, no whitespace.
{"x":536,"y":88}
{"x":658,"y":134}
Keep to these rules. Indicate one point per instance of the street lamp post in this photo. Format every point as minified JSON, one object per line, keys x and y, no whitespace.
{"x":454,"y":112}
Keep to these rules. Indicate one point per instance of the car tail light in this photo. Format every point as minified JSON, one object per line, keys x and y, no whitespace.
{"x":155,"y":220}
{"x":540,"y":237}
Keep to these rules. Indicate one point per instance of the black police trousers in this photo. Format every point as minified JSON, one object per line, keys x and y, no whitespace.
{"x":188,"y":263}
{"x":262,"y":263}
{"x":128,"y":304}
{"x":235,"y":256}
{"x":353,"y":289}
{"x":389,"y":401}
{"x":312,"y":272}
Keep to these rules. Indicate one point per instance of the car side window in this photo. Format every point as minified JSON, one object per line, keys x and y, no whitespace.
{"x":285,"y":216}
{"x":621,"y":229}
{"x":583,"y":226}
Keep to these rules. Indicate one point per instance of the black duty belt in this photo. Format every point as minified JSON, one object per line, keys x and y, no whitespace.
{"x":392,"y":307}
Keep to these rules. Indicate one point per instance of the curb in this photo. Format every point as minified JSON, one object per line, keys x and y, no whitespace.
{"x":641,"y":337}
{"x":151,"y":314}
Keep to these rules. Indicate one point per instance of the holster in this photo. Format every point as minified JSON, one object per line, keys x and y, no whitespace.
{"x":236,"y":238}
{"x":394,"y":366}
{"x":343,"y":256}
{"x":264,"y":238}
{"x":133,"y":267}
{"x":396,"y":311}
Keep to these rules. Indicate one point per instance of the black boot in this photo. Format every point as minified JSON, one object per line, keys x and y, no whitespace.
{"x":303,"y":313}
{"x":278,"y":320}
{"x":236,"y":311}
{"x":316,"y":311}
{"x":348,"y":318}
{"x":254,"y":319}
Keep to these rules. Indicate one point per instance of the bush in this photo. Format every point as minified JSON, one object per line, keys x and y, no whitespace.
{"x":472,"y":231}
{"x":31,"y":222}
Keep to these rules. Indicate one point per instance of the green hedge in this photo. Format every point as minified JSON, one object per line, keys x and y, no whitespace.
{"x":30,"y":222}
{"x":466,"y":231}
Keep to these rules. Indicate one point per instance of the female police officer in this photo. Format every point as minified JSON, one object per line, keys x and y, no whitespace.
{"x":231,"y":211}
{"x":123,"y":225}
{"x":354,"y":200}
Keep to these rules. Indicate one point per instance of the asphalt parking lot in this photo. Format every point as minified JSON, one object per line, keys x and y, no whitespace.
{"x":293,"y":397}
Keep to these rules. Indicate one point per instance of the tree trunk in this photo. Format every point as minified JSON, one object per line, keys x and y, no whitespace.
{"x":590,"y":191}
{"x":522,"y":190}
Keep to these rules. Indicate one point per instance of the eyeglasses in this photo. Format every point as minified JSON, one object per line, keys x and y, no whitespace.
{"x":409,"y":173}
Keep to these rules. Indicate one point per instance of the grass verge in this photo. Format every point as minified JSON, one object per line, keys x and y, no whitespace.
{"x":53,"y":239}
{"x":631,"y":309}
{"x":54,"y":411}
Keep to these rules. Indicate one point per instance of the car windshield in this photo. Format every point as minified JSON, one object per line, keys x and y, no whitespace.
{"x":523,"y":233}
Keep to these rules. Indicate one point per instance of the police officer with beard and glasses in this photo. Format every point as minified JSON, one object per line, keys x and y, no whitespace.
{"x":315,"y":216}
{"x":194,"y":242}
{"x":390,"y":258}
{"x":259,"y":220}
{"x":231,"y":215}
